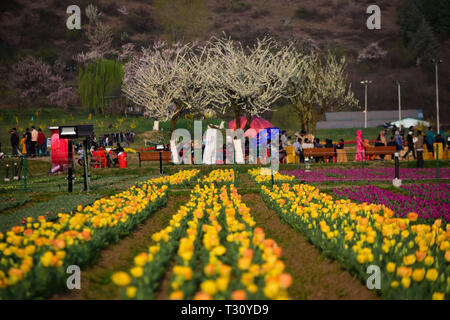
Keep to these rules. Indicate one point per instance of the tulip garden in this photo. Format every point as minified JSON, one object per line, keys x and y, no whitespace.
{"x":214,"y":244}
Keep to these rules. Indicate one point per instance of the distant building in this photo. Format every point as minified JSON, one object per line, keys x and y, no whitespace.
{"x":338,"y":120}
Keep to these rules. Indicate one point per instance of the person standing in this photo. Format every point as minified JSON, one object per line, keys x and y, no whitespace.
{"x":360,"y":151}
{"x":23,"y":144}
{"x":410,"y":143}
{"x":42,"y":143}
{"x":284,"y":139}
{"x":14,"y":141}
{"x":28,"y":141}
{"x":398,"y":139}
{"x":34,"y":141}
{"x":299,"y":150}
{"x":430,"y":140}
{"x":381,"y":142}
{"x":418,"y":144}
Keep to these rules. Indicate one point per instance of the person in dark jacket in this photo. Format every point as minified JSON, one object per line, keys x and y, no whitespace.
{"x":14,"y":141}
{"x":392,"y":143}
{"x":117,"y":151}
{"x":329,"y":144}
{"x":28,"y":142}
{"x":410,"y":143}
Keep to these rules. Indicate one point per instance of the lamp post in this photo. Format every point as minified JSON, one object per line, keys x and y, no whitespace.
{"x":436,"y":63}
{"x":160,"y":148}
{"x":73,"y":132}
{"x":397,"y":83}
{"x":365,"y":83}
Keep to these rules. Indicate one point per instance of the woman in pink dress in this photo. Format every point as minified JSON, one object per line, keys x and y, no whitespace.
{"x":360,"y":151}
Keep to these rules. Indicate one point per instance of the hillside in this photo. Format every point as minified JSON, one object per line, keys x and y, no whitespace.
{"x":38,"y":28}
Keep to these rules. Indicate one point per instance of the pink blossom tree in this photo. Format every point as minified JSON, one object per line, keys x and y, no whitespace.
{"x":35,"y":82}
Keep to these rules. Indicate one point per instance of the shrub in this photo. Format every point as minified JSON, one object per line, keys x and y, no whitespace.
{"x":300,"y":13}
{"x":141,"y":20}
{"x":240,"y":6}
{"x":309,"y":14}
{"x":400,"y":56}
{"x":47,"y":55}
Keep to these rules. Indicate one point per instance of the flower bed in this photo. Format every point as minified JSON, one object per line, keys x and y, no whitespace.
{"x":49,"y":209}
{"x":439,"y":192}
{"x":218,"y":177}
{"x":413,"y":258}
{"x":427,"y":205}
{"x":263,"y":176}
{"x":34,"y":257}
{"x":181,"y":179}
{"x":219,"y":254}
{"x":367,"y":174}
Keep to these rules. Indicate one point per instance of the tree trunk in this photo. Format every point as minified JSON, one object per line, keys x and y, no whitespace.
{"x":176,"y":115}
{"x":237,"y":116}
{"x":173,"y":123}
{"x":247,"y":125}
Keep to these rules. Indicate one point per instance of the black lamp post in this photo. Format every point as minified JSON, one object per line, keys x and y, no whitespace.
{"x":160,"y":148}
{"x":70,"y":133}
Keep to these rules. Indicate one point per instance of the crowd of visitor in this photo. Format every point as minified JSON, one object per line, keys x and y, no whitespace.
{"x":32,"y":144}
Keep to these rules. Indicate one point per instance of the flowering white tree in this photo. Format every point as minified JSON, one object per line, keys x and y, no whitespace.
{"x":249,"y":81}
{"x":168,"y":80}
{"x":100,"y":38}
{"x":321,"y":88}
{"x":371,"y":53}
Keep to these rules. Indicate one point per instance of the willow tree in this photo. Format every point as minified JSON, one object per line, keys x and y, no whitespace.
{"x":321,"y":88}
{"x":96,"y":81}
{"x":248,"y":81}
{"x":168,"y":81}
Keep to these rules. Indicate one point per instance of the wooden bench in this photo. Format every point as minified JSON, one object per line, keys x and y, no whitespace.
{"x":154,"y":156}
{"x":380,"y":151}
{"x":319,"y":153}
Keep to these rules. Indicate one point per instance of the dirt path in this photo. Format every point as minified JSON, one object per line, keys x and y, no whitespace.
{"x":96,"y":280}
{"x":315,"y":277}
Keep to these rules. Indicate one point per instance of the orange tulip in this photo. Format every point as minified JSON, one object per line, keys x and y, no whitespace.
{"x":285,"y":280}
{"x":412,"y":216}
{"x":238,"y":295}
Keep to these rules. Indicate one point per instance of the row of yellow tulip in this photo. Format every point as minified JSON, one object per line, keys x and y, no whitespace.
{"x":219,"y":253}
{"x":413,"y":258}
{"x":218,"y":177}
{"x":181,"y":178}
{"x":264,"y":176}
{"x":34,"y":256}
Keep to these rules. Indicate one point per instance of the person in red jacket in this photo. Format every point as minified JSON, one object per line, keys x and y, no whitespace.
{"x":42,"y":143}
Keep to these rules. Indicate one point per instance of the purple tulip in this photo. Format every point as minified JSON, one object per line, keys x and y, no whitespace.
{"x":430,"y":201}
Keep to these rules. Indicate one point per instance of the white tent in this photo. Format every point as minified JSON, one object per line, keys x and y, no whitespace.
{"x":408,"y":122}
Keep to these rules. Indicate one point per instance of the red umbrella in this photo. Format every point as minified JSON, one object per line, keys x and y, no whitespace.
{"x":255,"y":123}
